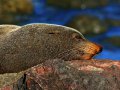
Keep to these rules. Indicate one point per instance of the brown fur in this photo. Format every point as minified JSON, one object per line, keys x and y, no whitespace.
{"x":32,"y":44}
{"x":5,"y":29}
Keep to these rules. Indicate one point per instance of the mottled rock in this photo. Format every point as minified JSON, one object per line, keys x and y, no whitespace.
{"x":11,"y":11}
{"x":77,"y":3}
{"x":115,"y":40}
{"x":71,"y":75}
{"x":113,"y":36}
{"x":88,"y":25}
{"x":113,"y":22}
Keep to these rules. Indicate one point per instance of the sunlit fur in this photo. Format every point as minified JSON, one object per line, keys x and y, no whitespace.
{"x":32,"y":44}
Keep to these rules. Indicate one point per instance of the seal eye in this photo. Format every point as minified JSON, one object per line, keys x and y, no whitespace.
{"x":55,"y":32}
{"x":51,"y":33}
{"x":77,"y":37}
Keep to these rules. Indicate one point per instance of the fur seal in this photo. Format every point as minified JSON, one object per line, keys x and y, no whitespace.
{"x":32,"y":44}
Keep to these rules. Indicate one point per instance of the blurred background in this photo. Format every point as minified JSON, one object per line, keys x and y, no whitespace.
{"x":97,"y":20}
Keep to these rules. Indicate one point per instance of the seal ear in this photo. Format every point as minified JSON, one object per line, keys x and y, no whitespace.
{"x":4,"y":29}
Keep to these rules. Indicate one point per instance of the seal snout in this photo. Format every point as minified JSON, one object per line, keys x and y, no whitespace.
{"x":93,"y":48}
{"x":88,"y":50}
{"x":99,"y":48}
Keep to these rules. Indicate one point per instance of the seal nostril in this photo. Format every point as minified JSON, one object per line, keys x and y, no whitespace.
{"x":101,"y":49}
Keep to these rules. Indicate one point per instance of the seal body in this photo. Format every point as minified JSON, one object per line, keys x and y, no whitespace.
{"x":32,"y":44}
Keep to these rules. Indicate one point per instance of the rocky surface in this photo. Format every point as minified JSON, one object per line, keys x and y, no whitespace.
{"x":113,"y":36}
{"x":70,"y":75}
{"x":88,"y":25}
{"x":12,"y":11}
{"x":115,"y":40}
{"x":113,"y":22}
{"x":77,"y":3}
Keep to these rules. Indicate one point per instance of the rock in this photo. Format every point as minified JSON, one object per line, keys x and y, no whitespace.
{"x":88,"y":25}
{"x":113,"y":22}
{"x":113,"y":36}
{"x":77,"y":3}
{"x":115,"y":40}
{"x":71,"y":75}
{"x":12,"y":11}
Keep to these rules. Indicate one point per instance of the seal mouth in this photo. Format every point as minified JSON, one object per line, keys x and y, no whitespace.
{"x":87,"y":56}
{"x":84,"y":55}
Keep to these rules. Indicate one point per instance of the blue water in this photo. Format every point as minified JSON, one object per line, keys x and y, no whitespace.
{"x":45,"y":14}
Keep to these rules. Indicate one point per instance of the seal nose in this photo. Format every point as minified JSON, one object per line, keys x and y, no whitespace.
{"x":100,"y":50}
{"x":95,"y":47}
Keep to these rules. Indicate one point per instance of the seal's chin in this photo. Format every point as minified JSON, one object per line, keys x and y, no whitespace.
{"x":84,"y":56}
{"x":87,"y":56}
